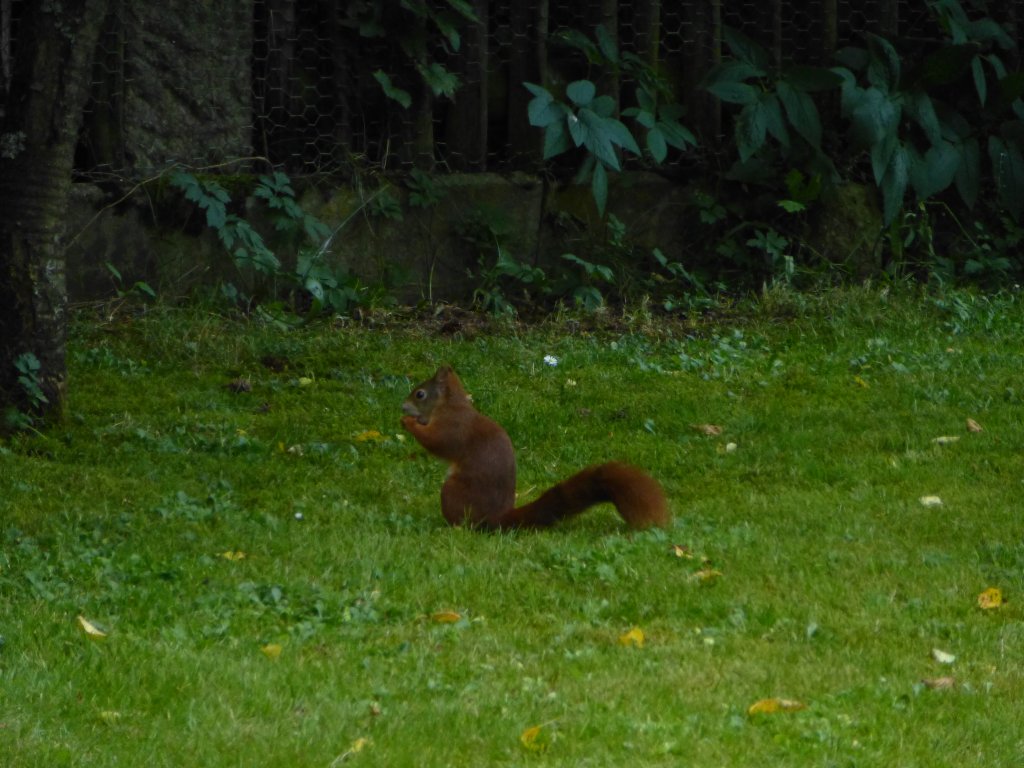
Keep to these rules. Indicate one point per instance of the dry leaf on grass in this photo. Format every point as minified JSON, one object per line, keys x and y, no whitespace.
{"x":446,"y":617}
{"x":711,"y":430}
{"x":773,"y":705}
{"x":89,"y":628}
{"x":991,"y":598}
{"x":930,"y":501}
{"x":973,"y":426}
{"x":535,"y":739}
{"x":706,"y":574}
{"x":946,"y":439}
{"x":682,"y":551}
{"x":271,"y":650}
{"x":942,"y":657}
{"x":939,"y":683}
{"x":634,"y":638}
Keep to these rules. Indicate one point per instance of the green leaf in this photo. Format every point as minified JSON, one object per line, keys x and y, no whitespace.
{"x":646,"y":100}
{"x":581,"y":92}
{"x":750,"y":130}
{"x":543,"y":110}
{"x":935,"y":171}
{"x":598,"y":139}
{"x":465,"y":9}
{"x":884,"y":68}
{"x":734,"y":93}
{"x":556,"y":140}
{"x":576,"y":39}
{"x":734,"y":72}
{"x":447,"y":25}
{"x":874,"y":118}
{"x":774,"y":122}
{"x":987,"y":30}
{"x":607,"y":44}
{"x":391,"y":91}
{"x":894,"y":184}
{"x":620,"y":134}
{"x":537,"y":90}
{"x":676,"y":134}
{"x":603,"y":106}
{"x":922,"y":110}
{"x":441,"y":81}
{"x":881,"y":155}
{"x":997,"y":65}
{"x":656,"y":145}
{"x":745,"y":49}
{"x":645,"y":118}
{"x":801,"y":112}
{"x":978,"y":73}
{"x":577,"y":129}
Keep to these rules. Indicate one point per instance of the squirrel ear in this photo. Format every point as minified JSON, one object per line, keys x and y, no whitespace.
{"x":444,"y":372}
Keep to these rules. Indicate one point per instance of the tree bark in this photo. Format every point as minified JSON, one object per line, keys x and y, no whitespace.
{"x":40,"y":117}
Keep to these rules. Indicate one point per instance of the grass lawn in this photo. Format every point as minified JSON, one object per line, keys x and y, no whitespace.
{"x":277,"y":586}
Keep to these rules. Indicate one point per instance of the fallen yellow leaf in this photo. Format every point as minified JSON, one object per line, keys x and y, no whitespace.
{"x":681,"y":551}
{"x":229,"y":555}
{"x":930,"y":501}
{"x":706,"y":574}
{"x":634,"y":638}
{"x":946,"y":439}
{"x":445,"y":617}
{"x":370,"y":435}
{"x":773,"y":705}
{"x":973,"y":426}
{"x":861,"y":383}
{"x":990,"y":598}
{"x":942,"y":657}
{"x":534,"y":739}
{"x":271,"y":650}
{"x":89,"y":628}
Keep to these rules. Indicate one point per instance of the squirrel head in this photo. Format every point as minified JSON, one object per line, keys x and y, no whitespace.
{"x":444,"y":387}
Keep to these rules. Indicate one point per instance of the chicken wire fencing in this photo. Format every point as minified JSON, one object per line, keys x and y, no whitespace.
{"x":312,"y":87}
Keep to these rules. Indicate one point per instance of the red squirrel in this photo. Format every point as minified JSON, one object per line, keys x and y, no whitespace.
{"x":480,"y":488}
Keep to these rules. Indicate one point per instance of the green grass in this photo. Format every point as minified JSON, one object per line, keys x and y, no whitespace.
{"x":836,"y":582}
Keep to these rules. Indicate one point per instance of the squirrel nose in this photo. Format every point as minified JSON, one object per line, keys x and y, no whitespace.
{"x":409,"y":409}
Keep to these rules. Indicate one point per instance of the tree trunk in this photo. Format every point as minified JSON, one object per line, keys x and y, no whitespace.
{"x":39,"y":120}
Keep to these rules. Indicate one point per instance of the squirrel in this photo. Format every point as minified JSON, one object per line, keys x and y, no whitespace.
{"x":480,"y":487}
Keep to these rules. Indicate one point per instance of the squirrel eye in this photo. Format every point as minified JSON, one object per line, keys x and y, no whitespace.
{"x":420,"y":394}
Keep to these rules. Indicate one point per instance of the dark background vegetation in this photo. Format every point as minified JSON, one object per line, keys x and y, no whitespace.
{"x":810,"y":141}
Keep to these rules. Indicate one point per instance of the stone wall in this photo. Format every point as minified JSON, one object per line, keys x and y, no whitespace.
{"x":429,"y":251}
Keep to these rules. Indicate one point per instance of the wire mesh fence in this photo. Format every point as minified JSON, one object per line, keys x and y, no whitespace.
{"x":316,"y":87}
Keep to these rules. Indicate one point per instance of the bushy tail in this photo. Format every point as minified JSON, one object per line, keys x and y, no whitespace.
{"x":636,"y":495}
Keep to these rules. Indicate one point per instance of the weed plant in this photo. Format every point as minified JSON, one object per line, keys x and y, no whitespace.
{"x":234,"y":507}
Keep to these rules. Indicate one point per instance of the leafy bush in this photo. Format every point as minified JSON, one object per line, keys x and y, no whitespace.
{"x":588,"y":120}
{"x":326,"y":287}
